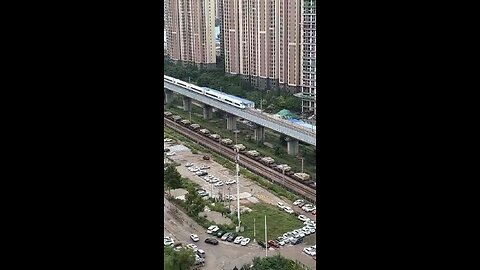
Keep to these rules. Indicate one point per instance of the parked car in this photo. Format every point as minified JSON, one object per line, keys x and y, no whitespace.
{"x":310,"y":251}
{"x":262,"y":244}
{"x":192,"y":246}
{"x":297,"y":202}
{"x":288,"y":210}
{"x":314,"y":212}
{"x":189,"y":165}
{"x":201,"y":253}
{"x":231,"y":237}
{"x":212,"y":229}
{"x":245,"y":241}
{"x":220,"y":233}
{"x":218,"y":184}
{"x":238,"y":240}
{"x":225,"y":236}
{"x":296,"y":241}
{"x":303,"y":218}
{"x":211,"y":241}
{"x":281,"y":205}
{"x":272,"y":243}
{"x":194,"y":237}
{"x":205,"y":167}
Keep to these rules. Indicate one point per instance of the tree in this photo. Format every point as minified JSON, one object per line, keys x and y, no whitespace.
{"x":276,"y":262}
{"x":195,"y":203}
{"x":178,"y":260}
{"x":172,"y":177}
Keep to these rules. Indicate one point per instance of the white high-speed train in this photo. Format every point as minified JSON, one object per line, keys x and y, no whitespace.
{"x":210,"y":93}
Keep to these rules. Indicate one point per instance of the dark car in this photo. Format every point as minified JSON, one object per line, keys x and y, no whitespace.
{"x":231,"y":237}
{"x":262,"y":244}
{"x":220,"y":233}
{"x":273,"y":244}
{"x":296,"y":241}
{"x":211,"y":241}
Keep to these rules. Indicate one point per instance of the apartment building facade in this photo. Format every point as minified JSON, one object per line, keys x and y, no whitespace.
{"x":309,"y":56}
{"x":190,"y":29}
{"x":271,"y":43}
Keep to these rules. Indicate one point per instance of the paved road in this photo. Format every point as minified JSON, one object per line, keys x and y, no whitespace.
{"x":225,"y":255}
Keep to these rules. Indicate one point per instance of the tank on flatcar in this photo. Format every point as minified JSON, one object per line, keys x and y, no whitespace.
{"x":226,"y":141}
{"x":301,"y":176}
{"x":194,"y":126}
{"x":253,"y":153}
{"x":176,"y":118}
{"x":239,"y":147}
{"x":215,"y":137}
{"x":267,"y":160}
{"x":185,"y":122}
{"x":204,"y":131}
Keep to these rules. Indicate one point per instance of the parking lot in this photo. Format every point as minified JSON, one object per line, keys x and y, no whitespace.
{"x":225,"y":255}
{"x":249,"y":190}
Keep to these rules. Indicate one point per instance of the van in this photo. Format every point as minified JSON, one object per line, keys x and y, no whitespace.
{"x":201,"y":253}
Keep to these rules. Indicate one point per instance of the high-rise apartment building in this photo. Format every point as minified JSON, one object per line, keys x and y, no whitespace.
{"x":309,"y":56}
{"x":190,"y":27}
{"x":264,"y":42}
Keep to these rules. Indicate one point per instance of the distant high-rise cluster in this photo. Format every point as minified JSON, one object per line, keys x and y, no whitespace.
{"x":190,"y":29}
{"x":270,"y":43}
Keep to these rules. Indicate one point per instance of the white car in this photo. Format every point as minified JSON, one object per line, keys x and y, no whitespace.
{"x":238,"y":240}
{"x":168,"y":241}
{"x":215,"y":229}
{"x":189,"y":165}
{"x":245,"y":241}
{"x":281,"y":205}
{"x":229,"y":182}
{"x":194,"y":237}
{"x":310,"y":251}
{"x":192,"y":246}
{"x":194,"y":170}
{"x":306,"y":205}
{"x":288,"y":210}
{"x":218,"y":184}
{"x":211,"y":228}
{"x":297,"y":202}
{"x":310,"y":223}
{"x":303,"y":218}
{"x":170,"y":154}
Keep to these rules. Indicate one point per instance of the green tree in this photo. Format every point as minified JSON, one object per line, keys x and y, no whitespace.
{"x":195,"y":203}
{"x":178,"y":260}
{"x":276,"y":262}
{"x":172,"y":178}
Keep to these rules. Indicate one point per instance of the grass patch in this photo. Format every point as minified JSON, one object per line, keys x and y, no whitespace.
{"x":278,"y":222}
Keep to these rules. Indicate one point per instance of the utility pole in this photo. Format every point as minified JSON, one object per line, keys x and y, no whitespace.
{"x":238,"y":188}
{"x":253,"y":229}
{"x":229,"y":200}
{"x":266,"y":244}
{"x":236,"y":133}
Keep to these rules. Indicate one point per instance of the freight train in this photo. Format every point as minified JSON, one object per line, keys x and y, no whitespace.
{"x":268,"y":161}
{"x":222,"y":97}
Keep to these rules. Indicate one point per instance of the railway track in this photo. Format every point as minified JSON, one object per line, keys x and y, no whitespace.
{"x":249,"y":163}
